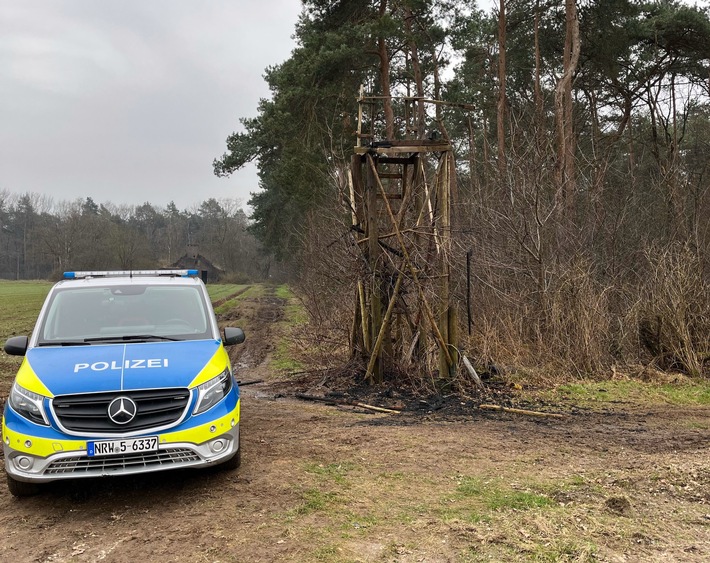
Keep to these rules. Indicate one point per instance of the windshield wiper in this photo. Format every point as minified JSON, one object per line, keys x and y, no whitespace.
{"x":150,"y":337}
{"x":62,"y":343}
{"x":130,"y":337}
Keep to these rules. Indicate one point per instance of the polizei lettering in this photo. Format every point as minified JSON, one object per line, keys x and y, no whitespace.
{"x":127,"y":364}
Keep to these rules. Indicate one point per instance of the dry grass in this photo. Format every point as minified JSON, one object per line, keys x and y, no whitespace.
{"x":458,"y":496}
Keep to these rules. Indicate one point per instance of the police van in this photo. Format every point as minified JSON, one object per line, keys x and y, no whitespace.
{"x":125,"y":372}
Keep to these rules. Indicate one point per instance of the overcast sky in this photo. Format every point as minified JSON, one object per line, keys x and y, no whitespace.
{"x":130,"y":101}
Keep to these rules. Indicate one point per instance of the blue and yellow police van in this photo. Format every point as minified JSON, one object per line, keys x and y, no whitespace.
{"x":125,"y":372}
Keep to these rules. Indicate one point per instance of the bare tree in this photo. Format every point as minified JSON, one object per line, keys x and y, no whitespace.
{"x":566,"y":184}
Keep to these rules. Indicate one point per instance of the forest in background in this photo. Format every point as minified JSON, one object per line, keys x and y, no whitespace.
{"x":582,"y":140}
{"x":41,"y":238}
{"x":582,"y":154}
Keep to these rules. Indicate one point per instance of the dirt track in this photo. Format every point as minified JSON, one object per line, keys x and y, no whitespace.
{"x":320,"y":483}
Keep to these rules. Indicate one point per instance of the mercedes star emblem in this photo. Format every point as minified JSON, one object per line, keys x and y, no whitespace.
{"x":122,"y":410}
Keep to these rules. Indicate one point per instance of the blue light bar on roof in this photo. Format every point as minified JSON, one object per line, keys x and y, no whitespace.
{"x":130,"y":274}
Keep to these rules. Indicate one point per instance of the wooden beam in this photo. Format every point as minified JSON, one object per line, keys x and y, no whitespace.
{"x":397,"y":159}
{"x":373,"y":256}
{"x":388,"y":150}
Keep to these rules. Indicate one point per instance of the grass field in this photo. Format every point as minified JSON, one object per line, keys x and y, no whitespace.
{"x":294,"y":318}
{"x":20,"y":303}
{"x":220,"y":291}
{"x":238,"y":291}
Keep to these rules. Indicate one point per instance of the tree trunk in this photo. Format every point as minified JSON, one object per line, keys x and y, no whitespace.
{"x":539,"y":107}
{"x":417,"y":71}
{"x":501,"y":93}
{"x":385,"y":78}
{"x":563,"y":111}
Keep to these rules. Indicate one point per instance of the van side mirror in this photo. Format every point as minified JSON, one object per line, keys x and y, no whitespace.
{"x":233,"y":335}
{"x":17,"y":345}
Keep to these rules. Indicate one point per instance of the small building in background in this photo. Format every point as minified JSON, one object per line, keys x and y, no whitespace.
{"x":193,"y":260}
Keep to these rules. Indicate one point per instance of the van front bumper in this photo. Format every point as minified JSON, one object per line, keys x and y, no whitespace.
{"x":204,"y":445}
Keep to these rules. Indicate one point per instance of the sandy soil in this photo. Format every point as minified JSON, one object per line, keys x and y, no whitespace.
{"x":326,"y":483}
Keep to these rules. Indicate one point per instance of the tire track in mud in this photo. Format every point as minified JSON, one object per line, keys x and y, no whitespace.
{"x":259,"y":318}
{"x":223,"y":300}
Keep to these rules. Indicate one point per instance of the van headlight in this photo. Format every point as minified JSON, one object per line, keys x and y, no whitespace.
{"x":213,"y":391}
{"x":28,"y":404}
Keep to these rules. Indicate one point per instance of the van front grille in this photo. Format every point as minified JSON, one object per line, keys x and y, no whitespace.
{"x":88,"y":413}
{"x":126,"y":463}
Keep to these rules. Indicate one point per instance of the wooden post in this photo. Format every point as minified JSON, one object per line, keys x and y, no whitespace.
{"x":357,"y":205}
{"x":447,"y":362}
{"x":468,"y":290}
{"x":384,"y":329}
{"x":356,"y":335}
{"x":373,"y":251}
{"x":360,"y":101}
{"x":364,"y":325}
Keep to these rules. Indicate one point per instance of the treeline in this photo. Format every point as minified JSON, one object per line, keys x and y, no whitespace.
{"x":582,"y":134}
{"x":40,"y":238}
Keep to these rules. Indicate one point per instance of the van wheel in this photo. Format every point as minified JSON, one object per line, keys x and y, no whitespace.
{"x":235,"y":461}
{"x":22,"y":489}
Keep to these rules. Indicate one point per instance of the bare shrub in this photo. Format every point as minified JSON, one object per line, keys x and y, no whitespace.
{"x":545,"y":301}
{"x":673,"y":310}
{"x":326,"y":284}
{"x":573,"y":333}
{"x":578,"y":328}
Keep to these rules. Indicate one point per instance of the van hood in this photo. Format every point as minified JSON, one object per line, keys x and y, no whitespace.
{"x":120,"y":367}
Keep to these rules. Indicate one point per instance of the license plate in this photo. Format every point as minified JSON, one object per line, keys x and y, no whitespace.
{"x":113,"y":447}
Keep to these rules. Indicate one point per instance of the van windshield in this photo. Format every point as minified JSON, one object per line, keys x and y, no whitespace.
{"x":98,"y":314}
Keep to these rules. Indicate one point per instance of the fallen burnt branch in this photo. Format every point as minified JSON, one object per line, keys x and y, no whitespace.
{"x":252,"y":382}
{"x":342,"y":402}
{"x":309,"y":371}
{"x":520,"y":411}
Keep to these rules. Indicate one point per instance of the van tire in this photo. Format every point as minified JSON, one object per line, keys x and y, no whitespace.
{"x":21,"y":488}
{"x":233,"y":462}
{"x":236,"y":460}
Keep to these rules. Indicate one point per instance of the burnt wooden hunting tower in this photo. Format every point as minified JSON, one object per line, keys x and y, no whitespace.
{"x":401,"y":204}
